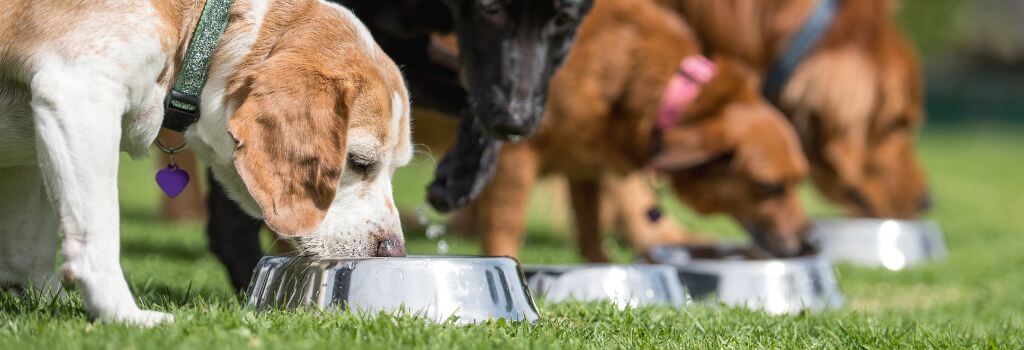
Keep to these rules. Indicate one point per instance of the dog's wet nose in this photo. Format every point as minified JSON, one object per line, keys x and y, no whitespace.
{"x":390,"y":248}
{"x":925,"y":203}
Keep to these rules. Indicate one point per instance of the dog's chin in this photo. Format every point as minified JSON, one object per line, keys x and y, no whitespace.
{"x":777,"y":245}
{"x":510,"y":129}
{"x":324,"y":246}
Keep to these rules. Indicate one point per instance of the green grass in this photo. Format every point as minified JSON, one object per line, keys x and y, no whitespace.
{"x":973,"y":300}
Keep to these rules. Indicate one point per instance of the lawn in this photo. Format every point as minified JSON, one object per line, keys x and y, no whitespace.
{"x":973,"y":300}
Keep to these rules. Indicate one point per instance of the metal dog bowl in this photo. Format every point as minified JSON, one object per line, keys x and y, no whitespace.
{"x":892,"y":244}
{"x":741,"y":277}
{"x":623,"y":285}
{"x":463,"y":289}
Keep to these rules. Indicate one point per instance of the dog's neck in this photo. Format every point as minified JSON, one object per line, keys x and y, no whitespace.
{"x":210,"y":132}
{"x":756,"y":29}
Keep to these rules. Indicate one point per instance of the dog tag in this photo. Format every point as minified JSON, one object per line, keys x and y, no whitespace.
{"x":172,"y":180}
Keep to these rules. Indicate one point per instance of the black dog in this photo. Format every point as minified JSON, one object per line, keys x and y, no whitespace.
{"x":509,"y":49}
{"x":530,"y":40}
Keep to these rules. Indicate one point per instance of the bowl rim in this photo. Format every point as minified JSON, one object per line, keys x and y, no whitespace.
{"x":872,"y":221}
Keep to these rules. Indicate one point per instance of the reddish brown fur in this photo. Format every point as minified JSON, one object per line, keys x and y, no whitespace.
{"x":600,"y":116}
{"x":856,"y":101}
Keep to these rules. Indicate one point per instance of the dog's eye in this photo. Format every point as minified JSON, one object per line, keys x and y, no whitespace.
{"x":564,"y":19}
{"x":773,"y":189}
{"x":490,"y":7}
{"x":901,"y":124}
{"x":359,"y":164}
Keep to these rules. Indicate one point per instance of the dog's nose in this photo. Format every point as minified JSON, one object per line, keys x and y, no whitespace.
{"x":390,"y":248}
{"x":925,"y":204}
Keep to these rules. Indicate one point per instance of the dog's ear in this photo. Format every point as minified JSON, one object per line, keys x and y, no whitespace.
{"x":709,"y":126}
{"x":290,"y":151}
{"x":770,"y":149}
{"x":691,"y":144}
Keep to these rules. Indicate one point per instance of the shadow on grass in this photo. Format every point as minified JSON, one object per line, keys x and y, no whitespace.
{"x":33,"y":302}
{"x":175,"y":296}
{"x":132,"y":248}
{"x":152,"y":296}
{"x":140,"y":215}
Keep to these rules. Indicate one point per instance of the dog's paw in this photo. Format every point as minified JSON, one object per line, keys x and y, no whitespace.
{"x":142,"y":318}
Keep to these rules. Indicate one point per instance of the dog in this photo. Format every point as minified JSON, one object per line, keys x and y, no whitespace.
{"x":304,"y":120}
{"x":856,"y":99}
{"x":600,"y":118}
{"x":508,"y":51}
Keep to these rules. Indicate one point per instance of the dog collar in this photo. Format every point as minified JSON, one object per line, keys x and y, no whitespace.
{"x":800,"y":45}
{"x":181,"y":106}
{"x":683,"y":88}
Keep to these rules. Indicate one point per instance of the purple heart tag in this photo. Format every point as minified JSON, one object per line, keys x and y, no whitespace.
{"x":172,"y":180}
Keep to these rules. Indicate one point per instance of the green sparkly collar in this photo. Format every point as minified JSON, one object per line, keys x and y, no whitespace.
{"x":181,"y":106}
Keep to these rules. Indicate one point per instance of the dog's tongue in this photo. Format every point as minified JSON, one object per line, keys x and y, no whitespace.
{"x":465,"y":170}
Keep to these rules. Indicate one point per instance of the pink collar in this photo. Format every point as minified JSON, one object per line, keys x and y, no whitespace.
{"x":693,"y":72}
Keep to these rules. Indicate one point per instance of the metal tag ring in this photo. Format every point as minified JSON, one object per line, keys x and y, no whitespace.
{"x":170,"y":150}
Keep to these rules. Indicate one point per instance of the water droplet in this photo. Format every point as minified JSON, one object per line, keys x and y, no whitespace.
{"x":421,"y":215}
{"x":435,"y":231}
{"x":442,"y":247}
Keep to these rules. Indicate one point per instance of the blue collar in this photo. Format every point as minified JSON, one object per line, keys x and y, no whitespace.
{"x":800,"y":46}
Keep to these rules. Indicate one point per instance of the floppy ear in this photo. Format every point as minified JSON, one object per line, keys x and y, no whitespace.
{"x":691,"y":144}
{"x":290,"y":152}
{"x":771,"y":148}
{"x":708,"y":128}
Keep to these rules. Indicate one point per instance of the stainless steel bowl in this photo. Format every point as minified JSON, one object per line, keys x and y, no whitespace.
{"x":623,"y":285}
{"x":462,"y":289}
{"x":892,"y":244}
{"x":742,"y":277}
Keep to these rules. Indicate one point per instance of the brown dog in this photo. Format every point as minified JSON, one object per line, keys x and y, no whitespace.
{"x":601,"y":113}
{"x":856,"y":100}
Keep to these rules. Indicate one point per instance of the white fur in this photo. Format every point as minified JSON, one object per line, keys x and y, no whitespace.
{"x":75,"y":101}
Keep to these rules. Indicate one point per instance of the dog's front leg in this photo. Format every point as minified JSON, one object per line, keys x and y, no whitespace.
{"x":586,"y":200}
{"x":635,"y":206}
{"x":78,"y":132}
{"x":504,"y":202}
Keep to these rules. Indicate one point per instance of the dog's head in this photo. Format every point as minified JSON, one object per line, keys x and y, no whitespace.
{"x":320,"y":120}
{"x":510,"y":49}
{"x":743,"y":159}
{"x":860,"y":115}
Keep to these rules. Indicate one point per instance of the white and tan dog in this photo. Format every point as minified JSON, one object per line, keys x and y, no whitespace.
{"x":304,"y":120}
